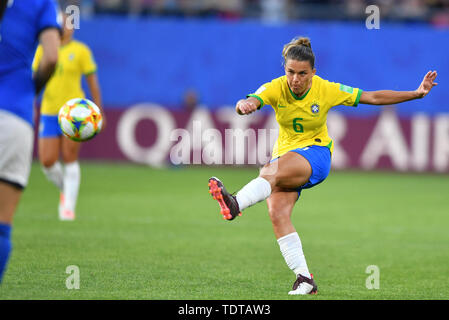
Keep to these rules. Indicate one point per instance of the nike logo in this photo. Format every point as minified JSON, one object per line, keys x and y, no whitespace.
{"x":279,"y":106}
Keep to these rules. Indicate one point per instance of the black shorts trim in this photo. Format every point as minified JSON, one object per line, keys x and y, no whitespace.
{"x":12,"y":183}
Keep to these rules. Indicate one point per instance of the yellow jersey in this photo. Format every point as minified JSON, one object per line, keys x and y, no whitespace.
{"x":74,"y":60}
{"x":302,"y":120}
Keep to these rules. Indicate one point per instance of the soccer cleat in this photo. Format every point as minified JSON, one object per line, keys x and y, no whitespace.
{"x":64,"y":214}
{"x":229,"y":207}
{"x":67,"y":215}
{"x":303,"y":286}
{"x":61,"y":204}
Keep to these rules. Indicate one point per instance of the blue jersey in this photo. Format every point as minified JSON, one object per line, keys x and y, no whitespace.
{"x":20,"y":27}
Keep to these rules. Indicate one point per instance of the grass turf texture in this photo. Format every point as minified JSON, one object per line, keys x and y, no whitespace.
{"x":143,"y":233}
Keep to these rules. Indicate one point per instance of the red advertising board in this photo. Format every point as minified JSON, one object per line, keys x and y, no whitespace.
{"x":154,"y":135}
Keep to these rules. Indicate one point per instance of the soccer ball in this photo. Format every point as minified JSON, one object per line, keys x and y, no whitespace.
{"x":80,"y":119}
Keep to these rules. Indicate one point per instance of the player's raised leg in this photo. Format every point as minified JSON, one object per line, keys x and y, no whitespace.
{"x":72,"y":176}
{"x":291,"y":170}
{"x":280,"y":206}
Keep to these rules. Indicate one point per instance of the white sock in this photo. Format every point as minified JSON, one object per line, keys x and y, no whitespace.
{"x":291,"y":249}
{"x":72,"y":177}
{"x":54,"y":174}
{"x":255,"y":191}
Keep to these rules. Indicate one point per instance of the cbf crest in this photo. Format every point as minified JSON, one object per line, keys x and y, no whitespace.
{"x":315,"y":108}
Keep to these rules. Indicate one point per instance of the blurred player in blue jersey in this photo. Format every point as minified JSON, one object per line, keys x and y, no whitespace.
{"x":23,"y":25}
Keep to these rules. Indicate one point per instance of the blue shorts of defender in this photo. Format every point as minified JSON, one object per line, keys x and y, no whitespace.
{"x":320,"y":160}
{"x":49,"y":126}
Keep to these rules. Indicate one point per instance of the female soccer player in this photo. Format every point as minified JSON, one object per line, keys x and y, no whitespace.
{"x":17,"y":91}
{"x":302,"y":153}
{"x":75,"y":60}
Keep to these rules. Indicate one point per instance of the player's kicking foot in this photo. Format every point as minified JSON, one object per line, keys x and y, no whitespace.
{"x":304,"y":285}
{"x":64,"y":214}
{"x":229,"y":207}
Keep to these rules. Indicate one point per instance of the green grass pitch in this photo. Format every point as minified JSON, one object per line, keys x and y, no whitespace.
{"x":145,"y":233}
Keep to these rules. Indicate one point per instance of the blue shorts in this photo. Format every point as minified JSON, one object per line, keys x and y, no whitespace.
{"x":49,"y":127}
{"x":320,"y":160}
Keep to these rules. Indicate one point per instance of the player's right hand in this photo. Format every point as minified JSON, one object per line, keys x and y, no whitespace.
{"x":245,"y":106}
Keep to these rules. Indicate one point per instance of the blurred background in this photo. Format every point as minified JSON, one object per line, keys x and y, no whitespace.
{"x":432,"y":11}
{"x":171,"y":72}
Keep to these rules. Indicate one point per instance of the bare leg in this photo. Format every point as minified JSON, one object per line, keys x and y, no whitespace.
{"x":9,"y":199}
{"x":280,"y":206}
{"x":49,"y":151}
{"x":48,"y":157}
{"x":290,"y":171}
{"x":70,"y":150}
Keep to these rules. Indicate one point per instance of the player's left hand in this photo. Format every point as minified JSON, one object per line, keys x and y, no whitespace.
{"x":103,"y":125}
{"x":427,"y":84}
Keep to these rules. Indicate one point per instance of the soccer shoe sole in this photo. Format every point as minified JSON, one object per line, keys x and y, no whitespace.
{"x":216,"y":189}
{"x":306,"y":281}
{"x":313,"y":291}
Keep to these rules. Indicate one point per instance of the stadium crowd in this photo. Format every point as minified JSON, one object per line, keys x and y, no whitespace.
{"x":433,"y":11}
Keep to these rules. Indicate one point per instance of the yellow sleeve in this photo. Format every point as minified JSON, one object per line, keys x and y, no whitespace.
{"x":268,"y":93}
{"x":37,"y":58}
{"x":88,"y":65}
{"x":341,"y":94}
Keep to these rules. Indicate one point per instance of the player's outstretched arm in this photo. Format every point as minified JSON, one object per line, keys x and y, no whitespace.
{"x":50,"y":42}
{"x":385,"y":97}
{"x":247,"y":106}
{"x":95,"y":91}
